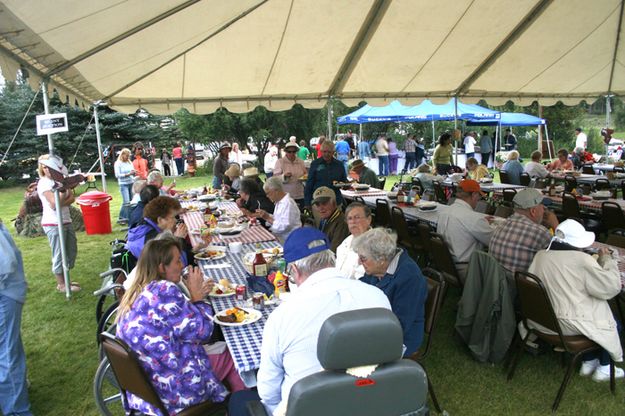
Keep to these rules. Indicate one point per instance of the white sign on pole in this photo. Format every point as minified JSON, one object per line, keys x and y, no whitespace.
{"x":51,"y":123}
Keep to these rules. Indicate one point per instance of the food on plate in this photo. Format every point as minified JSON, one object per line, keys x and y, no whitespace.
{"x":232,"y":315}
{"x":209,"y":254}
{"x":275,"y":250}
{"x":225,"y":283}
{"x":226,"y":223}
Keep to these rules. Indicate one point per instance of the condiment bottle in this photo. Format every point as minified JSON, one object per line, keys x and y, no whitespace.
{"x":279,"y":284}
{"x":259,"y":266}
{"x":552,"y":190}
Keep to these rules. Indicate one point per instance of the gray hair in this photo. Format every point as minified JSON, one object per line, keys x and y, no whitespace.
{"x":274,"y":183}
{"x":355,"y":205}
{"x":315,"y":262}
{"x":154,"y":176}
{"x":378,"y":244}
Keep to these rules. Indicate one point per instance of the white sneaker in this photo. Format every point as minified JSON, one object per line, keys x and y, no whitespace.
{"x":589,"y":367}
{"x":602,"y":373}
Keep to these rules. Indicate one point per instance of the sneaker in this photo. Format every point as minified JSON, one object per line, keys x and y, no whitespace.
{"x":588,"y":367}
{"x":602,"y":373}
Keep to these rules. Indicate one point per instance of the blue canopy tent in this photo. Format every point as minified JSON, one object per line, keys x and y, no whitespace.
{"x":514,"y":119}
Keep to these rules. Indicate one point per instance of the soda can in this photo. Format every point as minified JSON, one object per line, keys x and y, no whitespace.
{"x":240,"y":292}
{"x":258,"y":301}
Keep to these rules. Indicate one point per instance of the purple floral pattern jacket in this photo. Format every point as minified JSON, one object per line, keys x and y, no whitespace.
{"x":166,"y":332}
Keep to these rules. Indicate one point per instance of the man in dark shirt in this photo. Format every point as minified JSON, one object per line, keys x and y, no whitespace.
{"x":329,"y":218}
{"x":510,"y":140}
{"x":324,"y":172}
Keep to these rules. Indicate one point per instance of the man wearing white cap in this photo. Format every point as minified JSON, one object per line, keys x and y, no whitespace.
{"x":515,"y":243}
{"x":289,"y":347}
{"x":290,"y":168}
{"x":579,"y":288}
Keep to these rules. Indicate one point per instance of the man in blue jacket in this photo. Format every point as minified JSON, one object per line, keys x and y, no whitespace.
{"x":324,"y":172}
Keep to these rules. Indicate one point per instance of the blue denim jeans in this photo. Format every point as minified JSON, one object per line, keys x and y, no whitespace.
{"x":411,"y":161}
{"x":126,"y":191}
{"x":13,"y":389}
{"x":383,"y":165}
{"x":343,"y":158}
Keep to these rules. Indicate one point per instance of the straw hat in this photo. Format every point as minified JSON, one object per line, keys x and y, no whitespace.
{"x":233,"y":171}
{"x":250,"y":172}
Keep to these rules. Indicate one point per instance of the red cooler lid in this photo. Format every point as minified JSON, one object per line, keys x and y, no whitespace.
{"x":93,"y":197}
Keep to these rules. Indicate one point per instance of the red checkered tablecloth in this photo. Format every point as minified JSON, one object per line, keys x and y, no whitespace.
{"x":589,"y":204}
{"x":195,"y":221}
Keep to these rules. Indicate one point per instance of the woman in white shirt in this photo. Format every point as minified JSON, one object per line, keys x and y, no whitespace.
{"x":536,"y":169}
{"x":235,"y":156}
{"x":286,"y":215}
{"x":358,"y":218}
{"x":125,"y":174}
{"x":49,"y":222}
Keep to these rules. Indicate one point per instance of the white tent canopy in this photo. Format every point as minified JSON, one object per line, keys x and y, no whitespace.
{"x":202,"y":54}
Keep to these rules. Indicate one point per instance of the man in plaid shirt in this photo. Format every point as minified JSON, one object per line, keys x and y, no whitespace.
{"x":515,"y":243}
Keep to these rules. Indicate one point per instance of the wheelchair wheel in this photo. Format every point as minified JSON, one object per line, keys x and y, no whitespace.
{"x":108,"y":397}
{"x":102,"y":305}
{"x":107,"y":321}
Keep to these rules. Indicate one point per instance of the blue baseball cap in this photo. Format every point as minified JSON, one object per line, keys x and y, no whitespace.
{"x":303,"y":242}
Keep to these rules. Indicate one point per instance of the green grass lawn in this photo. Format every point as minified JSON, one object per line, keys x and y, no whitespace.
{"x":59,"y":338}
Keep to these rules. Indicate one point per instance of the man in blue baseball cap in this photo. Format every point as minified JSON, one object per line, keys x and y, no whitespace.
{"x":289,"y":348}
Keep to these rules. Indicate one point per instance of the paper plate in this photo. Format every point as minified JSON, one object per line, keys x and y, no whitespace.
{"x":252,"y":316}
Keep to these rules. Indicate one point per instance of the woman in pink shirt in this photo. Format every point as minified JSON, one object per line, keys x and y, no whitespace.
{"x":140,"y":164}
{"x":562,"y":162}
{"x":176,"y":153}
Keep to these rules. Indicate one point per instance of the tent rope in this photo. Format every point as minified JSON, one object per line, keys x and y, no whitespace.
{"x":19,"y":128}
{"x":81,"y":139}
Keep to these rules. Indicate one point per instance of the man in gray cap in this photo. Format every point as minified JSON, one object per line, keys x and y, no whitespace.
{"x":515,"y":243}
{"x":220,"y":165}
{"x":328,"y":217}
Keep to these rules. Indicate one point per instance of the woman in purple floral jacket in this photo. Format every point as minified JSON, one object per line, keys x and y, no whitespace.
{"x":166,"y":331}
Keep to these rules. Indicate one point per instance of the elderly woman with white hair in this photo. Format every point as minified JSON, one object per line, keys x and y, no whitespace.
{"x":358,"y":218}
{"x":286,"y":214}
{"x":391,"y":269}
{"x":513,"y":167}
{"x":156,"y":178}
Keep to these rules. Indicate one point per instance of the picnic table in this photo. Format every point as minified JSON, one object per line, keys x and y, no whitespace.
{"x":243,"y":341}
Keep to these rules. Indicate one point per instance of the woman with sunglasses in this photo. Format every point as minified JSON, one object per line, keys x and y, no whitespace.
{"x":291,"y":168}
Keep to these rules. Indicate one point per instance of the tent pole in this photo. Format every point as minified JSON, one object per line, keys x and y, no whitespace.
{"x":548,"y":146}
{"x":360,"y":134}
{"x":540,"y":130}
{"x":433,"y":135}
{"x":330,"y":119}
{"x":455,"y":128}
{"x":57,"y":200}
{"x":97,"y":135}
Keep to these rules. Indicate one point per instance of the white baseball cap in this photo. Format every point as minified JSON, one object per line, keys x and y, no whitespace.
{"x":54,"y":162}
{"x":574,"y":233}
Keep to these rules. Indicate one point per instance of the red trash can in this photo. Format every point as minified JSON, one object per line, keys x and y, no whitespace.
{"x":95,"y":211}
